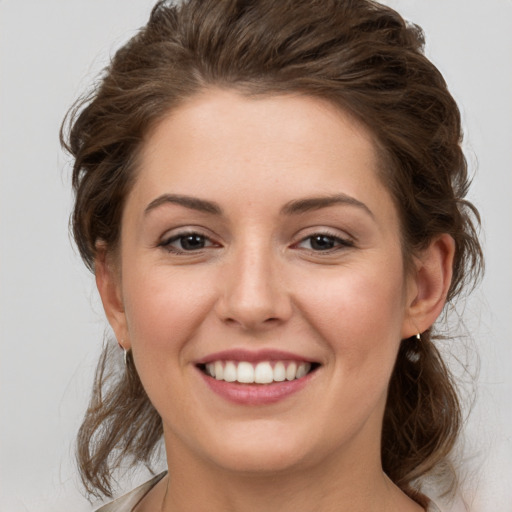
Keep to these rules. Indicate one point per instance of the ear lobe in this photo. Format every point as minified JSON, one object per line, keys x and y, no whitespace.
{"x":108,"y":283}
{"x":432,"y":278}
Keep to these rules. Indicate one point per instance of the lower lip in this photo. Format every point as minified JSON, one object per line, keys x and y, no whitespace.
{"x":255,"y":394}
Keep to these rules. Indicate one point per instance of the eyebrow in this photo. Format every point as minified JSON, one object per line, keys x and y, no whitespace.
{"x":307,"y":204}
{"x":193,"y":203}
{"x":294,"y":207}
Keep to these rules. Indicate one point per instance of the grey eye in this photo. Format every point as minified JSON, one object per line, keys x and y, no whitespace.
{"x":323,"y":242}
{"x":186,"y":242}
{"x":191,"y":242}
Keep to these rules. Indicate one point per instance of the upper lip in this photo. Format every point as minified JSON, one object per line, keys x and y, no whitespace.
{"x":252,"y":356}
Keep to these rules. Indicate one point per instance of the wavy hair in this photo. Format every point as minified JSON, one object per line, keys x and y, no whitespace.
{"x":360,"y":56}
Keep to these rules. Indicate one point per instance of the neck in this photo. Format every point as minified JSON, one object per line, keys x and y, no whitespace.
{"x":329,"y":486}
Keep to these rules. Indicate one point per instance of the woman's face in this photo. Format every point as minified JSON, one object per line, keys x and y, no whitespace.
{"x":258,"y":243}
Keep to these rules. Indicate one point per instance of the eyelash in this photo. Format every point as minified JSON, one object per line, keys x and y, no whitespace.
{"x":167,"y":243}
{"x":338,"y":243}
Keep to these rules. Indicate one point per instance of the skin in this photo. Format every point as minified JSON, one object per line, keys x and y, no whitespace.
{"x":258,"y":282}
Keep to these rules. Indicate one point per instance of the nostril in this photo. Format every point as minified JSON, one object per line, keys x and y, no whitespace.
{"x":250,"y":310}
{"x":251,"y":321}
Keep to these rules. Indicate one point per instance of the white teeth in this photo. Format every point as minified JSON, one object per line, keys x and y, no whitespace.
{"x":279,"y":372}
{"x":264,"y":372}
{"x":219,"y":370}
{"x":230,"y":372}
{"x":303,"y":369}
{"x":291,"y":371}
{"x":245,"y":373}
{"x":210,"y":369}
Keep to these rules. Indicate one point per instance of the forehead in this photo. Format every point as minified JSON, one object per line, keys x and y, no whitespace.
{"x":257,"y":138}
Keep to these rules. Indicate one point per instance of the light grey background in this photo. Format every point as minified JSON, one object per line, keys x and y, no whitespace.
{"x":51,"y":323}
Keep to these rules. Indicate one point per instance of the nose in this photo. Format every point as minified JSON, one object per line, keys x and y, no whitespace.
{"x":253,"y":291}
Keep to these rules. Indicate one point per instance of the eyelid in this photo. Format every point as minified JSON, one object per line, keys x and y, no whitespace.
{"x":184,"y":230}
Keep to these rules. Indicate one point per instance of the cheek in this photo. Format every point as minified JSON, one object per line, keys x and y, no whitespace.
{"x":163,"y":309}
{"x":359,"y":312}
{"x":356,"y":314}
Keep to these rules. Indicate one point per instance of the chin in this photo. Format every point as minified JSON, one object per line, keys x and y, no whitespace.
{"x":266,"y":450}
{"x":257,"y":460}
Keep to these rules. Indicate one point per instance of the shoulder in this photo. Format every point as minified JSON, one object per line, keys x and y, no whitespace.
{"x":455,"y":504}
{"x":127,"y":502}
{"x":432,"y":507}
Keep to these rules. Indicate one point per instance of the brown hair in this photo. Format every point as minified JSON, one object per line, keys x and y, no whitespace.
{"x":358,"y":55}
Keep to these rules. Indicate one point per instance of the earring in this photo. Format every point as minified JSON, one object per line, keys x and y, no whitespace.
{"x":413,"y":353}
{"x":125,"y":355}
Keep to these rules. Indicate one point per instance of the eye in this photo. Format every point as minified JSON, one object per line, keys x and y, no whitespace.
{"x":323,"y":242}
{"x":186,"y":242}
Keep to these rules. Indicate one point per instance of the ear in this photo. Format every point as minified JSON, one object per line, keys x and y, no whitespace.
{"x":108,"y":282}
{"x":428,"y":285}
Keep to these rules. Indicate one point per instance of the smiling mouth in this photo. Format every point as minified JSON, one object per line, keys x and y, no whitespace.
{"x":264,"y":372}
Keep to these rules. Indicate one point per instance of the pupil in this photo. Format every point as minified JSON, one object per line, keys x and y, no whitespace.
{"x":191,"y":242}
{"x":322,"y":242}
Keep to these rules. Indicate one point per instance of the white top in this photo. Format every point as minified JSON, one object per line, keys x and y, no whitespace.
{"x":128,"y":502}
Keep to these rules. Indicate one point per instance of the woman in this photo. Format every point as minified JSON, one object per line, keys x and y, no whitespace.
{"x":271,"y":197}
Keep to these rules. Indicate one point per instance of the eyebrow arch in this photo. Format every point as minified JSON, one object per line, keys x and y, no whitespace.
{"x":193,"y":203}
{"x":316,"y":203}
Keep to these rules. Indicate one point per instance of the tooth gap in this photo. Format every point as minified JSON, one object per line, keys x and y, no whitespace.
{"x":314,"y":366}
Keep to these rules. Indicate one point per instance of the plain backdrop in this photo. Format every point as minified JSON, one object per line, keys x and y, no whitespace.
{"x":51,"y":323}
